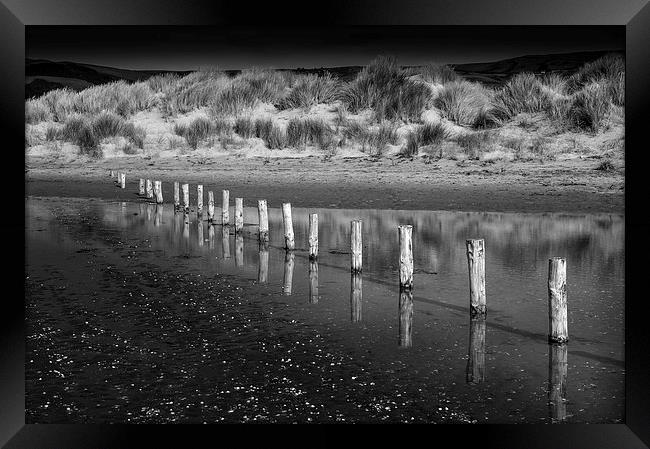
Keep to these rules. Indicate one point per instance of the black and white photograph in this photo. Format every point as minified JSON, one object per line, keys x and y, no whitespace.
{"x":319,"y":225}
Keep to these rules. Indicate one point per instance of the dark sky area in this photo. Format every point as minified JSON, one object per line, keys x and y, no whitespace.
{"x":189,"y":48}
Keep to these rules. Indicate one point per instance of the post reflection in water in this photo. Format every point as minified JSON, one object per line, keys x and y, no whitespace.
{"x":199,"y":228}
{"x":239,"y":249}
{"x":557,"y":378}
{"x":149,"y":211}
{"x":263,"y":268}
{"x":476,"y":351}
{"x":225,"y":241}
{"x":288,"y":272}
{"x":356,"y":295}
{"x":210,"y":236}
{"x":405,"y":317}
{"x":159,"y":215}
{"x":313,"y":281}
{"x":186,"y":228}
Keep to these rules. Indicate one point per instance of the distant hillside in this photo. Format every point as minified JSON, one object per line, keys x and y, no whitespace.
{"x":42,"y":75}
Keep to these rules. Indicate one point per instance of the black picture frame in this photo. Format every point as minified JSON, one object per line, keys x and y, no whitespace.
{"x":633,"y":15}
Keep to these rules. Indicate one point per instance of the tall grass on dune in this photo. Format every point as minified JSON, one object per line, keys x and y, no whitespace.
{"x":590,"y":107}
{"x":373,"y":140}
{"x":107,"y":124}
{"x":384,"y":87}
{"x":36,"y":111}
{"x":437,"y":73}
{"x":61,"y":102}
{"x":310,"y":90}
{"x":195,"y":132}
{"x":273,"y":136}
{"x":119,"y":97}
{"x":245,"y":127}
{"x":427,"y":134}
{"x":303,"y":132}
{"x":465,"y":103}
{"x":474,"y":143}
{"x":162,"y":82}
{"x":608,"y":67}
{"x":524,"y":92}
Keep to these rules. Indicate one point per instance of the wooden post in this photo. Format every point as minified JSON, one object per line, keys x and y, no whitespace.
{"x":356,"y":246}
{"x":288,"y":272}
{"x":313,"y":281}
{"x":199,"y":200}
{"x":141,"y":190}
{"x":476,"y":266}
{"x":149,"y":189}
{"x":239,"y":215}
{"x":123,"y":180}
{"x":476,"y":353}
{"x":405,"y":317}
{"x":112,"y":174}
{"x":210,"y":206}
{"x":199,"y":228}
{"x":557,"y":380}
{"x":159,"y":194}
{"x":288,"y":226}
{"x":557,"y":301}
{"x":356,"y":296}
{"x":177,"y":196}
{"x":405,"y":256}
{"x":239,"y":250}
{"x":264,"y":220}
{"x":225,"y":207}
{"x":225,"y":241}
{"x":186,"y":198}
{"x":263,"y":269}
{"x":313,"y":236}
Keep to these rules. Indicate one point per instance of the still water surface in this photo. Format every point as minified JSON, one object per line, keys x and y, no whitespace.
{"x":139,"y":314}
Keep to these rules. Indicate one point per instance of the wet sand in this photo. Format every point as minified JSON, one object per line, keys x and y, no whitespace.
{"x":552,"y":186}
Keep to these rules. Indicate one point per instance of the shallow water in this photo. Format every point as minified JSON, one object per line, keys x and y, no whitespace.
{"x":135,"y":314}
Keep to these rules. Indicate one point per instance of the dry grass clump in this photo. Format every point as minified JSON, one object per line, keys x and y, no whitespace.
{"x":195,"y":132}
{"x":373,"y":140}
{"x":523,"y":92}
{"x":135,"y":134}
{"x":609,"y":68}
{"x":437,"y":74}
{"x":245,"y":127}
{"x":118,"y":97}
{"x":474,"y":143}
{"x":303,"y":132}
{"x":386,"y":89}
{"x":590,"y":107}
{"x":273,"y":135}
{"x":310,"y":90}
{"x":467,"y":103}
{"x":107,"y":124}
{"x":36,"y":111}
{"x":428,"y":134}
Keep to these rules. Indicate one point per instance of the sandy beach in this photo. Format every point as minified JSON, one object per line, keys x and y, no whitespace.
{"x":572,"y":186}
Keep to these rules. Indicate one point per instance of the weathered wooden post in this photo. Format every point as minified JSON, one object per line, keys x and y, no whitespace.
{"x":159,"y":193}
{"x":405,"y":317}
{"x":177,"y":196}
{"x":210,"y":206}
{"x":313,"y":281}
{"x":225,"y":241}
{"x":557,"y":381}
{"x":405,"y":256}
{"x":356,"y":246}
{"x":288,"y":226}
{"x":199,"y":200}
{"x":141,"y":190}
{"x":263,"y":269}
{"x":476,"y":353}
{"x":123,"y":180}
{"x":239,"y":250}
{"x":225,"y":207}
{"x":288,"y":272}
{"x":557,"y":301}
{"x":239,"y":215}
{"x":149,"y":189}
{"x":476,"y":266}
{"x":264,"y":220}
{"x":112,"y":174}
{"x":199,"y":228}
{"x":313,"y":236}
{"x":356,"y":296}
{"x":186,"y":198}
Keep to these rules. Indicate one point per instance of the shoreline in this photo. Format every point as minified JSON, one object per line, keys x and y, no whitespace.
{"x":572,"y":186}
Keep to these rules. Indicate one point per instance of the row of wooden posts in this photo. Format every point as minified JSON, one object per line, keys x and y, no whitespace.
{"x":557,"y":294}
